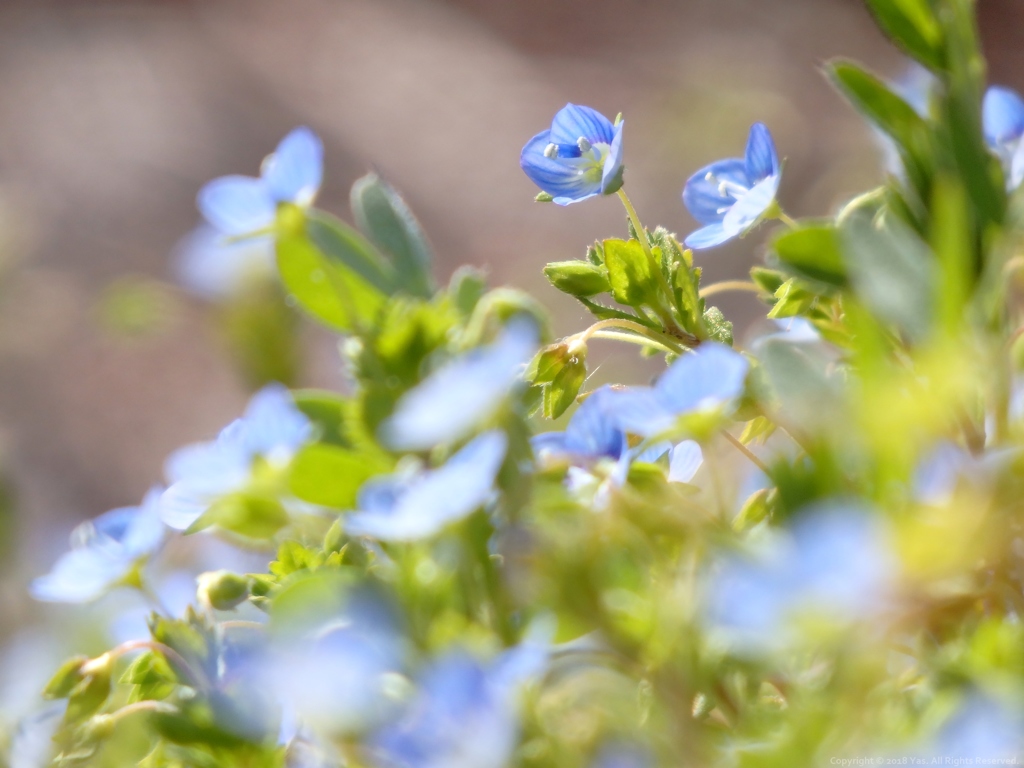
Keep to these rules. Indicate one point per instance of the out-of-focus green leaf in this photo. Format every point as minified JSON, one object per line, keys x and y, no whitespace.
{"x":329,"y":292}
{"x":385,"y":218}
{"x":252,"y":515}
{"x":812,"y":251}
{"x":338,"y":241}
{"x":912,"y":25}
{"x":330,"y":476}
{"x":564,"y":386}
{"x":326,"y":410}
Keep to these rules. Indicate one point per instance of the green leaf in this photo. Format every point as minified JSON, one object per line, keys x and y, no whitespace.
{"x":340,"y":242}
{"x":547,"y":363}
{"x":466,"y":288}
{"x":562,"y":391}
{"x":813,"y":251}
{"x":330,"y":476}
{"x":329,"y":292}
{"x":577,"y":278}
{"x":66,"y":678}
{"x":768,"y":280}
{"x":892,"y":115}
{"x":385,"y":218}
{"x":247,"y":514}
{"x":912,"y":25}
{"x":327,"y":411}
{"x":718,"y":328}
{"x":87,"y":697}
{"x":893,"y":271}
{"x":629,"y":272}
{"x":792,"y":298}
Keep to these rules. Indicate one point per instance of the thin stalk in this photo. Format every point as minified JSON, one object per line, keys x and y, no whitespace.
{"x":730,"y":285}
{"x":747,"y":452}
{"x":786,"y":219}
{"x":628,"y":325}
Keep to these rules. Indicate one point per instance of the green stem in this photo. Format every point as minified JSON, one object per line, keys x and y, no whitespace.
{"x":657,"y":337}
{"x":641,"y":235}
{"x":786,"y":219}
{"x":730,"y":285}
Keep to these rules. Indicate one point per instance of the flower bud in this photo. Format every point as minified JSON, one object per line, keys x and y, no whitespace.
{"x":222,"y":590}
{"x":577,"y":278}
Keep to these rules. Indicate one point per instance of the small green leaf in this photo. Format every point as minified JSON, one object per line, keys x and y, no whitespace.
{"x":384,"y":217}
{"x":792,"y":298}
{"x":339,"y":241}
{"x":327,"y":411}
{"x":718,"y":328}
{"x":768,"y":280}
{"x":629,"y":272}
{"x":562,"y":391}
{"x":813,"y":251}
{"x":547,"y":363}
{"x":328,"y":291}
{"x":330,"y":476}
{"x":466,"y":288}
{"x":577,"y":278}
{"x":87,"y":697}
{"x":912,"y":25}
{"x":247,"y":514}
{"x":66,"y":678}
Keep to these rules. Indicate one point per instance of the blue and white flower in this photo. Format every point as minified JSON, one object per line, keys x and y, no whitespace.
{"x":580,"y":156}
{"x":271,"y":431}
{"x":1002,"y":115}
{"x":835,"y":562}
{"x":731,"y":196}
{"x":462,"y":395}
{"x":105,"y":553}
{"x":212,"y":268}
{"x":244,"y":205}
{"x":419,"y":504}
{"x":709,"y":378}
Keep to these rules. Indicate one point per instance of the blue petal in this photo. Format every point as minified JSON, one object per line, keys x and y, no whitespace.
{"x":562,"y":178}
{"x":182,"y":504}
{"x":640,"y":411}
{"x":1016,"y":175}
{"x":454,"y":400}
{"x":761,"y":158}
{"x":81,"y":575}
{"x":237,"y":205}
{"x":294,"y":172}
{"x":683,"y":461}
{"x":703,"y":197}
{"x":273,"y":425}
{"x":548,"y":444}
{"x":1002,"y":116}
{"x":572,"y":122}
{"x":708,"y":237}
{"x":439,"y":497}
{"x":145,"y":530}
{"x":211,"y":266}
{"x":708,"y":377}
{"x":613,"y":163}
{"x":567,"y":200}
{"x":751,"y":206}
{"x":592,"y":430}
{"x":216,"y":467}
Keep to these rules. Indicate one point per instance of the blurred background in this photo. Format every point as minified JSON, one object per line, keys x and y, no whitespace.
{"x":113,"y":114}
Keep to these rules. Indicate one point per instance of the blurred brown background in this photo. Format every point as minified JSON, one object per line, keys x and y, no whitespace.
{"x":113,"y":114}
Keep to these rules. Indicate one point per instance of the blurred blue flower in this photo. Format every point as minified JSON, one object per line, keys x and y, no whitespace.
{"x":461,"y":395}
{"x":465,"y":715}
{"x":730,"y":196}
{"x":710,"y":377}
{"x":684,"y":460}
{"x":623,"y":755}
{"x":834,"y":562}
{"x":244,"y":205}
{"x":1003,"y":122}
{"x":406,"y":507}
{"x":982,"y":730}
{"x":105,"y":552}
{"x":578,"y":157}
{"x":948,"y":466}
{"x":212,"y":268}
{"x":272,"y":429}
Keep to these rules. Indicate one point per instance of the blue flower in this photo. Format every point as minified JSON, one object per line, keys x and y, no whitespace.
{"x":105,"y":553}
{"x":982,"y":730}
{"x":458,"y":397}
{"x":272,"y":430}
{"x":243,"y":205}
{"x":465,"y":715}
{"x":407,"y":507}
{"x":834,"y":562}
{"x":1002,"y":116}
{"x":730,"y":196}
{"x":578,"y":157}
{"x":211,"y":268}
{"x":710,"y":377}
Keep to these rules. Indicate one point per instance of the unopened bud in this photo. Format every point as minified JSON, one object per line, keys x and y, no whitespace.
{"x":222,"y":590}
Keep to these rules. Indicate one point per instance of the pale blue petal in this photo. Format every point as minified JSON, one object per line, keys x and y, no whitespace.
{"x":1002,"y":116}
{"x":751,"y":206}
{"x":549,"y":444}
{"x":623,"y":756}
{"x":708,"y":237}
{"x":462,"y":395}
{"x":273,"y":425}
{"x":592,"y":430}
{"x":237,"y":205}
{"x":708,"y":377}
{"x":81,"y":575}
{"x":705,"y":198}
{"x":574,"y":121}
{"x":210,"y":467}
{"x":641,"y":412}
{"x":652,"y":453}
{"x":181,"y":505}
{"x":761,"y":158}
{"x":294,"y":172}
{"x":982,"y":731}
{"x":937,"y":476}
{"x":683,"y":461}
{"x":208,"y":264}
{"x":563,"y":200}
{"x":561,"y":178}
{"x":439,"y":497}
{"x":613,"y":162}
{"x":1016,"y":175}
